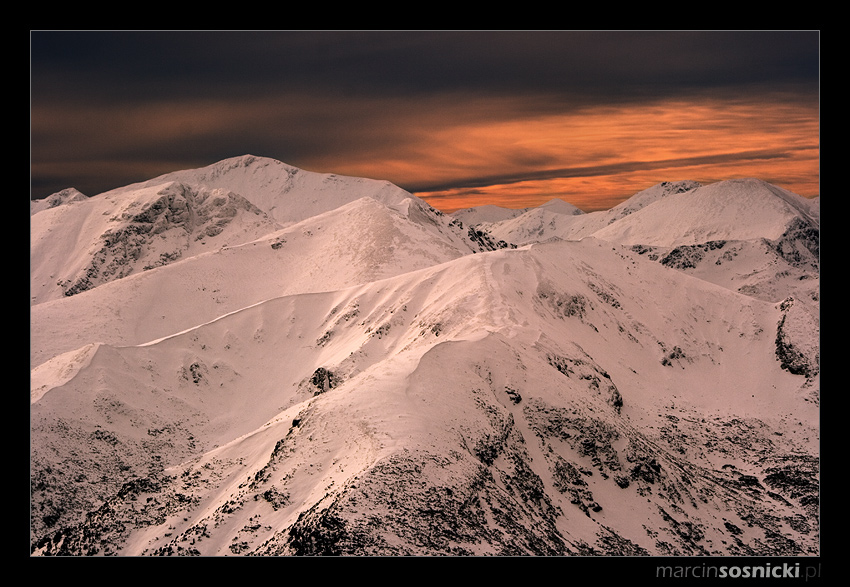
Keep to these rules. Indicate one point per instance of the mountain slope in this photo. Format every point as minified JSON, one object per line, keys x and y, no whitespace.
{"x":672,"y":214}
{"x":357,"y":243}
{"x":746,"y":235}
{"x":286,"y":193}
{"x":81,"y":244}
{"x":488,"y":214}
{"x":729,"y":210}
{"x":63,"y":197}
{"x":437,"y":386}
{"x":183,"y":214}
{"x":538,"y":224}
{"x":180,"y":273}
{"x":377,"y":379}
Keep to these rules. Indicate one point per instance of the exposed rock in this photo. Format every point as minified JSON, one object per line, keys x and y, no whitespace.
{"x":795,"y":357}
{"x":323,"y":380}
{"x":184,"y":213}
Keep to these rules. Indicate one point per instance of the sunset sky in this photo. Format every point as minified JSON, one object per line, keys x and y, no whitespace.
{"x":460,"y":118}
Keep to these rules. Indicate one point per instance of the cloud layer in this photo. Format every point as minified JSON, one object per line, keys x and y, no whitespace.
{"x":460,"y":118}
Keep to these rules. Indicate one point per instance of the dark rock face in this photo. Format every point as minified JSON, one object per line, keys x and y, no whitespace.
{"x":190,"y":213}
{"x":797,"y":478}
{"x":80,"y":502}
{"x":800,"y":245}
{"x":689,"y":256}
{"x":484,"y":241}
{"x":584,"y":369}
{"x":499,"y":510}
{"x":323,"y":380}
{"x":490,"y":496}
{"x":785,"y":488}
{"x":792,"y":357}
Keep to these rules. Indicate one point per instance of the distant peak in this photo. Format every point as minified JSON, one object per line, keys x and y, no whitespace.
{"x":561,"y":206}
{"x":57,"y":199}
{"x":251,"y":161}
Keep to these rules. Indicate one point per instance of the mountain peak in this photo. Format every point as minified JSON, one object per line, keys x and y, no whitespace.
{"x":687,"y":214}
{"x":262,"y":360}
{"x":59,"y":198}
{"x":286,"y":193}
{"x":561,"y":207}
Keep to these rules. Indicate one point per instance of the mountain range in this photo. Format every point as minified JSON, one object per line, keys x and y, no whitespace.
{"x":255,"y":359}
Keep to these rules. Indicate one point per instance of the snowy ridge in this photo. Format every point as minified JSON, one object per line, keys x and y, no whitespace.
{"x":365,"y":239}
{"x":65,"y":196}
{"x":286,"y":193}
{"x":375,"y":378}
{"x":486,"y":214}
{"x":730,"y":210}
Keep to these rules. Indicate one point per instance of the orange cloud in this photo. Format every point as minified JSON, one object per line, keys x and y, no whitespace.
{"x":597,"y":157}
{"x":457,"y":150}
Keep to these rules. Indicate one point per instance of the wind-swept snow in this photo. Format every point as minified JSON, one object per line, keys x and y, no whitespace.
{"x":352,"y":372}
{"x":729,"y":210}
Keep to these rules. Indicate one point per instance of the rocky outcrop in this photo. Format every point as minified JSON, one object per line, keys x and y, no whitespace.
{"x":689,"y":256}
{"x":482,"y":239}
{"x":179,"y":215}
{"x":66,"y":196}
{"x":793,"y":354}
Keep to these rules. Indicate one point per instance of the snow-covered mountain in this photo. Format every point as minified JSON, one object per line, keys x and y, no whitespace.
{"x":255,"y":359}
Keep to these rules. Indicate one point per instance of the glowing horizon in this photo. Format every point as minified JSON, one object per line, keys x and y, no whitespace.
{"x":458,"y":118}
{"x":597,"y":157}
